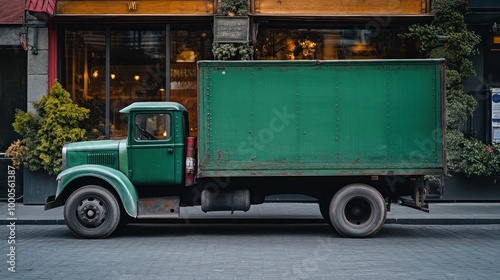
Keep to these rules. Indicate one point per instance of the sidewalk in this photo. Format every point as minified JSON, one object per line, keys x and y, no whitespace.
{"x":440,"y":213}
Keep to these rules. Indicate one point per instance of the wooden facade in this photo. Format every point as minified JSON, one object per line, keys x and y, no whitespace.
{"x":341,"y":7}
{"x":258,"y":7}
{"x":137,"y":7}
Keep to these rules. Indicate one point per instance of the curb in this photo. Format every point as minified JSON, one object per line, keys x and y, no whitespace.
{"x":33,"y":222}
{"x":444,"y":221}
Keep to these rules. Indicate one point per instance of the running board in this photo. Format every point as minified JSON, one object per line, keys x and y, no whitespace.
{"x":158,"y":207}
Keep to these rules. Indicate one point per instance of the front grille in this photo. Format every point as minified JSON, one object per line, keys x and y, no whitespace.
{"x":102,"y":159}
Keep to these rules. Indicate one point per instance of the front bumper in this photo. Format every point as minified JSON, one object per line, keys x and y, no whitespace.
{"x":51,"y":202}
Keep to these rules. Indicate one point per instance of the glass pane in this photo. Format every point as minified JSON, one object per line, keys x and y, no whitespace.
{"x":12,"y":92}
{"x":328,"y":44}
{"x":84,"y":73}
{"x":137,"y":72}
{"x":152,"y":126}
{"x":187,"y":47}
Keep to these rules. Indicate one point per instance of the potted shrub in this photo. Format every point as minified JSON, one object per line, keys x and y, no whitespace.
{"x":57,"y":122}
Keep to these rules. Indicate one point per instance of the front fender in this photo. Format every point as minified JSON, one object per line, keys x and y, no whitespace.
{"x":120,"y":182}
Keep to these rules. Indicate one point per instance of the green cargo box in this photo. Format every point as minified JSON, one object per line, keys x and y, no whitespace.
{"x":321,"y":118}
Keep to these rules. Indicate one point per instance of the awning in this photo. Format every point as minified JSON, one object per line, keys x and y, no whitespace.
{"x":12,"y":12}
{"x":41,"y":9}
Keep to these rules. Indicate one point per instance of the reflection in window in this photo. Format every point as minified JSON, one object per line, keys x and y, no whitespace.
{"x":152,"y":126}
{"x":328,"y":44}
{"x":137,"y":73}
{"x":84,"y":69}
{"x":187,"y":47}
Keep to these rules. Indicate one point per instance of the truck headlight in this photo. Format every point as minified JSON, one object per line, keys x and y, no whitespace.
{"x":64,"y":163}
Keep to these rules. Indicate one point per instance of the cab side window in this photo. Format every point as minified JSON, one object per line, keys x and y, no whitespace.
{"x":152,"y":126}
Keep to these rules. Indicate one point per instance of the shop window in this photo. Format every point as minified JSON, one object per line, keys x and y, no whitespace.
{"x":137,"y":73}
{"x":187,"y":47}
{"x":137,"y":70}
{"x":83,"y":75}
{"x":327,"y":44}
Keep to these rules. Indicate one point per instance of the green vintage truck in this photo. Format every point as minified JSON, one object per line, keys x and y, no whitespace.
{"x":355,"y":135}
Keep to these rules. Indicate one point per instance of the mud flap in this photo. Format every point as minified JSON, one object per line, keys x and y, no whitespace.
{"x":419,"y":195}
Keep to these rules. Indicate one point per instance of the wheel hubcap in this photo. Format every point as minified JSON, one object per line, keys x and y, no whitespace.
{"x":358,"y":211}
{"x":91,"y":212}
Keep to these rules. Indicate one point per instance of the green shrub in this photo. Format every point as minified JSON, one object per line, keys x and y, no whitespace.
{"x":447,"y":37}
{"x":480,"y":159}
{"x":232,"y":7}
{"x":232,"y":51}
{"x":58,"y":121}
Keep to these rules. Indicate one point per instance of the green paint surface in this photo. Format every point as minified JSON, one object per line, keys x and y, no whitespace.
{"x":371,"y":117}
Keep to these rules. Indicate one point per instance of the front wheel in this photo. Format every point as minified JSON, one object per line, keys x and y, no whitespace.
{"x":92,"y":212}
{"x":357,"y":210}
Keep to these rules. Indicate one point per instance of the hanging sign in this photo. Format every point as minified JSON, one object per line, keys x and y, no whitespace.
{"x":495,"y":114}
{"x":231,"y":29}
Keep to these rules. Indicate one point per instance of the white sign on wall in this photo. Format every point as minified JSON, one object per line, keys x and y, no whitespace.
{"x":495,"y":114}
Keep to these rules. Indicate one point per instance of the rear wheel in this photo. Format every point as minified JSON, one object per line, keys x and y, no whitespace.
{"x":92,"y":212}
{"x":357,"y":210}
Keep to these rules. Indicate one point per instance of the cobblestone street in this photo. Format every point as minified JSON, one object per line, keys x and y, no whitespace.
{"x":236,"y":251}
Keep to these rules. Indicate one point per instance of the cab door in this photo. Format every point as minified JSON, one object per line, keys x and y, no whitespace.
{"x":152,"y":149}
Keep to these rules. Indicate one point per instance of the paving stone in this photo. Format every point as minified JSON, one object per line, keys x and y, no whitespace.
{"x":256,"y":252}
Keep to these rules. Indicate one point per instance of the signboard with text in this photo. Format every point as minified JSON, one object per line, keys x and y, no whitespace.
{"x":495,"y":114}
{"x":231,"y":29}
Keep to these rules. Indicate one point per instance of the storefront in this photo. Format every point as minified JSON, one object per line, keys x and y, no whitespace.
{"x":484,"y":19}
{"x":113,"y":53}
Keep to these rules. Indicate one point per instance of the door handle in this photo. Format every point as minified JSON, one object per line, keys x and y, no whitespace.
{"x":170,"y":151}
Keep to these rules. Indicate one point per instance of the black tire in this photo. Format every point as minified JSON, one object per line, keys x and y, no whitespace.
{"x":92,"y":212}
{"x":357,"y":210}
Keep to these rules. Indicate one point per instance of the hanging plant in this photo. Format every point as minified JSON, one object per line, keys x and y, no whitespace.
{"x":232,"y":7}
{"x":232,"y":51}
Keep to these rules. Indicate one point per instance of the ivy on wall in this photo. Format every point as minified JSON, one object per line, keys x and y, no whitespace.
{"x":447,"y":37}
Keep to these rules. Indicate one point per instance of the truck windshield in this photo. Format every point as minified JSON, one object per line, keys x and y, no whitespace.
{"x":152,"y":127}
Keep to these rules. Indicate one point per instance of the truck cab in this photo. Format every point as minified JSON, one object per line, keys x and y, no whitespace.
{"x":105,"y":182}
{"x":157,"y":132}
